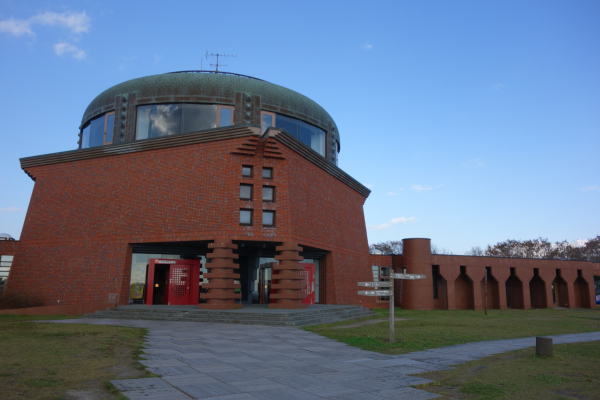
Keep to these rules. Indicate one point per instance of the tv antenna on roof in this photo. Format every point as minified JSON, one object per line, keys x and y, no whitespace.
{"x":217,"y":55}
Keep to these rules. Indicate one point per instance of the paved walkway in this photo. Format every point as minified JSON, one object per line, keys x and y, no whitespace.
{"x":249,"y":362}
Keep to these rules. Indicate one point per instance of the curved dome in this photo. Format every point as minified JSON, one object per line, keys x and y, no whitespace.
{"x":214,"y":87}
{"x":6,"y":236}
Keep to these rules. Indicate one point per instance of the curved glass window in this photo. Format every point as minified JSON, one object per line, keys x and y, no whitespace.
{"x":308,"y":134}
{"x":98,"y":132}
{"x":172,"y":119}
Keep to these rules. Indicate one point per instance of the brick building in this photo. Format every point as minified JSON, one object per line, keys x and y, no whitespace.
{"x":223,"y":190}
{"x":183,"y":165}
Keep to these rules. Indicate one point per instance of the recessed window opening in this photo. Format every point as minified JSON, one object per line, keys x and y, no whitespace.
{"x":247,"y":171}
{"x":225,"y":114}
{"x":99,"y":131}
{"x":267,"y":120}
{"x":463,"y":270}
{"x":245,"y":217}
{"x":267,"y":173}
{"x":268,"y":193}
{"x":245,"y":192}
{"x":512,"y":271}
{"x":268,"y":218}
{"x":158,"y":120}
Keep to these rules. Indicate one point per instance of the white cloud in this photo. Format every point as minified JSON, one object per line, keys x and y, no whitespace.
{"x":420,"y":188}
{"x":75,"y":22}
{"x":64,"y":48}
{"x":476,"y":162}
{"x":10,"y":209}
{"x":369,"y":185}
{"x":591,"y":188}
{"x":393,"y":221}
{"x":393,"y":193}
{"x":367,"y":46}
{"x":499,"y":86}
{"x":16,"y":27}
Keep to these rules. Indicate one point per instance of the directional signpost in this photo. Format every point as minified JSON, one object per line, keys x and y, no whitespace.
{"x":390,"y":292}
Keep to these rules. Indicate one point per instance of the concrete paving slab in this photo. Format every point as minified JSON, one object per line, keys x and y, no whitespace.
{"x":249,"y":362}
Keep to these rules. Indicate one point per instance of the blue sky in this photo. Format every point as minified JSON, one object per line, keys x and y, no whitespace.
{"x":472,"y":122}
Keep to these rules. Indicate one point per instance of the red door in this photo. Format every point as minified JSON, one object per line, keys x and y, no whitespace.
{"x":309,"y":281}
{"x":179,"y":285}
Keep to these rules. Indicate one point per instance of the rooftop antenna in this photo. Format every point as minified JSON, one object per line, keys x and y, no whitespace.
{"x":217,"y":55}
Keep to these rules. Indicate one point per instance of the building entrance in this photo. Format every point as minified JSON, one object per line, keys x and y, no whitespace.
{"x":173,"y":282}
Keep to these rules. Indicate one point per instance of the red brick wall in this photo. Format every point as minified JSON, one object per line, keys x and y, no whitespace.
{"x":8,"y":247}
{"x":83,"y":216}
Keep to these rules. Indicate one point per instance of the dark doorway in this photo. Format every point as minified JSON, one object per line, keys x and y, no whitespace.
{"x":159,"y":291}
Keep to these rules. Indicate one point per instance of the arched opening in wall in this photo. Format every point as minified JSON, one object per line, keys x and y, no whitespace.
{"x":537,"y":290}
{"x":582,"y":291}
{"x":463,"y":291}
{"x":560,"y":291}
{"x":514,"y":291}
{"x":493,"y":296}
{"x":440,"y":291}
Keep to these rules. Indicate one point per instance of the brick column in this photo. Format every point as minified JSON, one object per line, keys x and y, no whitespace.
{"x":570,"y":275}
{"x":288,"y":278}
{"x":450,"y":273}
{"x":477,"y":275}
{"x":548,"y":275}
{"x":501,"y":274}
{"x":221,"y":287}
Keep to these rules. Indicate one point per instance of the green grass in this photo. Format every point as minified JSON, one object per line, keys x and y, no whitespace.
{"x":43,"y":361}
{"x":572,"y":373}
{"x":432,"y":329}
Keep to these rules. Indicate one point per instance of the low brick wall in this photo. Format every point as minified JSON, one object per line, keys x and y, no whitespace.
{"x":68,"y":309}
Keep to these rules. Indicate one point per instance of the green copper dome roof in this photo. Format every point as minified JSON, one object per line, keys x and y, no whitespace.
{"x":216,"y":88}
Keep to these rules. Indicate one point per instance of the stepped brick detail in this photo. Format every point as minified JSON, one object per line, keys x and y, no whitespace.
{"x":221,"y":287}
{"x":288,"y":278}
{"x":248,"y":148}
{"x":272,"y":149}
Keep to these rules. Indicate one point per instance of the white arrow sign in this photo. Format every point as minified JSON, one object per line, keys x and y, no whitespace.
{"x":375,"y":292}
{"x":408,"y":276}
{"x":375,"y":284}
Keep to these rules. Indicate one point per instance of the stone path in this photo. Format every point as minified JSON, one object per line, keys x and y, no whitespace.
{"x":249,"y":362}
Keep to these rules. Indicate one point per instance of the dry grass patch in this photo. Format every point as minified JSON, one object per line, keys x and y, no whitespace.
{"x":64,"y":361}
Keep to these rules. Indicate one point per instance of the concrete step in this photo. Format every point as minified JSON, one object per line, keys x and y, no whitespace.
{"x":304,"y":317}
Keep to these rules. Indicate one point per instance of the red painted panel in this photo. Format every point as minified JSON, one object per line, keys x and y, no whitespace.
{"x":309,"y":279}
{"x":179,"y":285}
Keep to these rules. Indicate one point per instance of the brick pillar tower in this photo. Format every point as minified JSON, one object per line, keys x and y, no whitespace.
{"x":221,"y":294}
{"x":288,"y":277}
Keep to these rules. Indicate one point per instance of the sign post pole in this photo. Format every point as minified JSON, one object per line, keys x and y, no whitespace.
{"x":392,"y":336}
{"x":389,"y":293}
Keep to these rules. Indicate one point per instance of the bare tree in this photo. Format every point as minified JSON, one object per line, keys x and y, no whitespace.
{"x":440,"y":250}
{"x":542,"y":248}
{"x":476,"y":251}
{"x":389,"y":247}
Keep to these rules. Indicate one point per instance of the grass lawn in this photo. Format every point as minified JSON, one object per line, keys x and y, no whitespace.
{"x":60,"y":361}
{"x":430,"y":329}
{"x":571,"y":373}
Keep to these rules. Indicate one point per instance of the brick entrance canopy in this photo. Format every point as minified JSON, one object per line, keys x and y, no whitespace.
{"x":221,"y":287}
{"x":288,"y":278}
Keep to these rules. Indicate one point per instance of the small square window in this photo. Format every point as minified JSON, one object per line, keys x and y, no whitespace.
{"x":268,"y":193}
{"x":267,"y":173}
{"x":245,"y":217}
{"x":268,"y":218}
{"x":245,"y":192}
{"x":247,"y":171}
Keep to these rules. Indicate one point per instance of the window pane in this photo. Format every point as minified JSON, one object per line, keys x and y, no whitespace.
{"x":246,"y":171}
{"x":224,"y":116}
{"x":268,"y":193}
{"x":246,"y":217}
{"x":267,"y":173}
{"x":197,"y":117}
{"x":267,"y":122}
{"x":246,"y":192}
{"x":97,"y":132}
{"x":268,"y":218}
{"x":85,"y":137}
{"x":308,"y":134}
{"x":110,"y":121}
